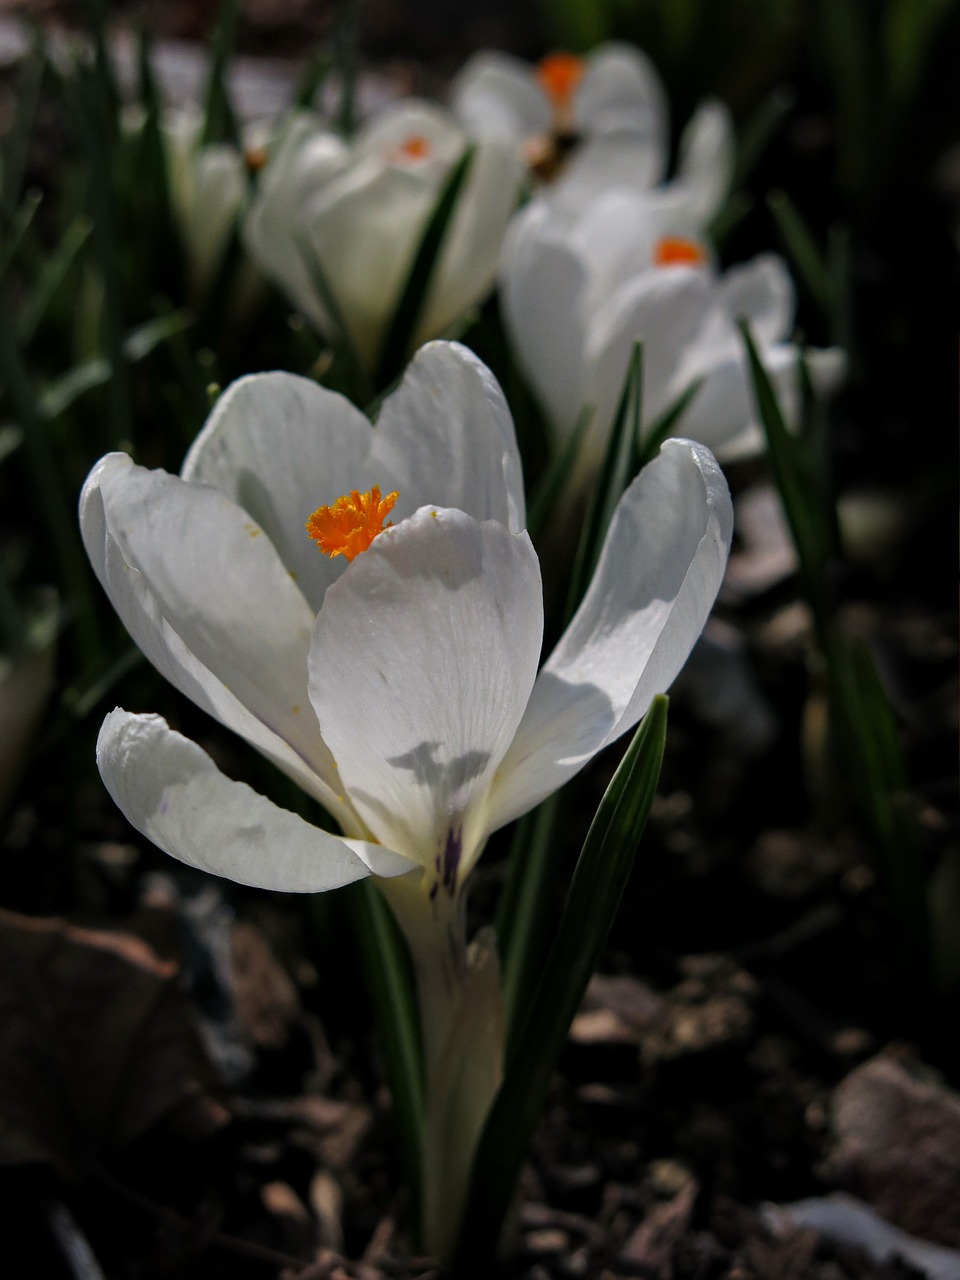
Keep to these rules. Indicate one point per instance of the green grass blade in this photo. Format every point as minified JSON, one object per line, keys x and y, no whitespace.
{"x":312,"y":79}
{"x":804,"y":254}
{"x":810,"y":535}
{"x":17,"y":141}
{"x":338,"y":338}
{"x":20,"y":225}
{"x":663,"y":427}
{"x":403,"y":325}
{"x":557,"y":476}
{"x":758,"y":132}
{"x":389,"y":978}
{"x":53,"y":272}
{"x":528,"y":905}
{"x":599,"y":879}
{"x":219,"y":120}
{"x":617,"y":470}
{"x":346,"y":44}
{"x":57,"y":512}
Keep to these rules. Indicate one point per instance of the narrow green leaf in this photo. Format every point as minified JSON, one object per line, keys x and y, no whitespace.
{"x":90,"y":689}
{"x":312,"y":79}
{"x":56,"y":510}
{"x":17,"y":140}
{"x":219,"y":121}
{"x":406,"y":317}
{"x":528,"y":904}
{"x":758,"y":132}
{"x":557,"y":476}
{"x":338,"y":337}
{"x":389,"y":978}
{"x":616,"y":472}
{"x":599,"y":879}
{"x":11,"y":438}
{"x":81,"y":104}
{"x":22,"y":219}
{"x":52,"y":275}
{"x":726,"y":220}
{"x":805,"y":520}
{"x":654,"y":436}
{"x":804,"y":254}
{"x":346,"y":43}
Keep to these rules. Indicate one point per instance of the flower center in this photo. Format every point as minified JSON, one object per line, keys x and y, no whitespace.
{"x":410,"y":150}
{"x":349,"y":526}
{"x":558,"y":75}
{"x":672,"y":251}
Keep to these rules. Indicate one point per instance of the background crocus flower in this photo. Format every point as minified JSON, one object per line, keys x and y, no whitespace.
{"x":399,"y":687}
{"x":360,"y":209}
{"x":588,"y":124}
{"x":580,"y":287}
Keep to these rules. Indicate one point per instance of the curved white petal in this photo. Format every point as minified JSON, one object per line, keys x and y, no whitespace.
{"x":496,"y":96}
{"x":706,"y":158}
{"x":761,"y":292}
{"x":543,"y":287}
{"x":621,"y":92}
{"x":446,"y":437}
{"x":604,"y":163}
{"x":423,"y":658}
{"x":659,"y":571}
{"x":466,"y":266}
{"x":206,"y":598}
{"x":173,"y":793}
{"x":280,"y":446}
{"x":307,"y":158}
{"x":664,"y":309}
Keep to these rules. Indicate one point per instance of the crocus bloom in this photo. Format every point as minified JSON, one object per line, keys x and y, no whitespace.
{"x":399,"y":688}
{"x":397,"y":682}
{"x":359,"y":211}
{"x":579,"y":288}
{"x":588,"y":124}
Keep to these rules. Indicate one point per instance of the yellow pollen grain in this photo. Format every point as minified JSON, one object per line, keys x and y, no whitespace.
{"x":672,"y":251}
{"x":350,"y":524}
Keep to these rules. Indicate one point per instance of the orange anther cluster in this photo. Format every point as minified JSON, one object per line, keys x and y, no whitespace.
{"x":416,"y":147}
{"x":349,"y":526}
{"x":558,"y":75}
{"x":674,"y":251}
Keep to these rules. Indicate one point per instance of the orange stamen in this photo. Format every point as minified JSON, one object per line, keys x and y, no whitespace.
{"x":558,"y":75}
{"x":672,"y":251}
{"x":350,"y":525}
{"x":416,"y":147}
{"x":255,"y":158}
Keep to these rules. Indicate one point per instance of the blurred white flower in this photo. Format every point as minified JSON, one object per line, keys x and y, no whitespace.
{"x":580,"y":287}
{"x":588,"y":124}
{"x":359,"y":211}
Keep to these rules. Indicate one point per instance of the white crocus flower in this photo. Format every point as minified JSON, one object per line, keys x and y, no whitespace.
{"x":401,"y":689}
{"x":359,"y":210}
{"x":590,"y":124}
{"x":579,"y":288}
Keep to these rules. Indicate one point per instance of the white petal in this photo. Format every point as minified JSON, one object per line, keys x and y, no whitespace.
{"x":173,"y":793}
{"x":206,"y":598}
{"x":423,"y":658}
{"x":306,"y":159}
{"x":496,"y":96}
{"x":466,"y":266}
{"x":706,"y":158}
{"x":660,"y":569}
{"x":621,"y":92}
{"x":446,"y":437}
{"x":280,"y":446}
{"x":761,"y":292}
{"x":664,"y":309}
{"x":604,"y":163}
{"x":543,"y":287}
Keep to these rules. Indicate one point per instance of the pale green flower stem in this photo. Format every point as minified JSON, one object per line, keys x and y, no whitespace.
{"x":462,"y":1028}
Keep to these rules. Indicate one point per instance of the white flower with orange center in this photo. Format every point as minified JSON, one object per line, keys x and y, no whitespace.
{"x":579,"y":287}
{"x":590,"y":124}
{"x":360,"y":209}
{"x":390,"y":668}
